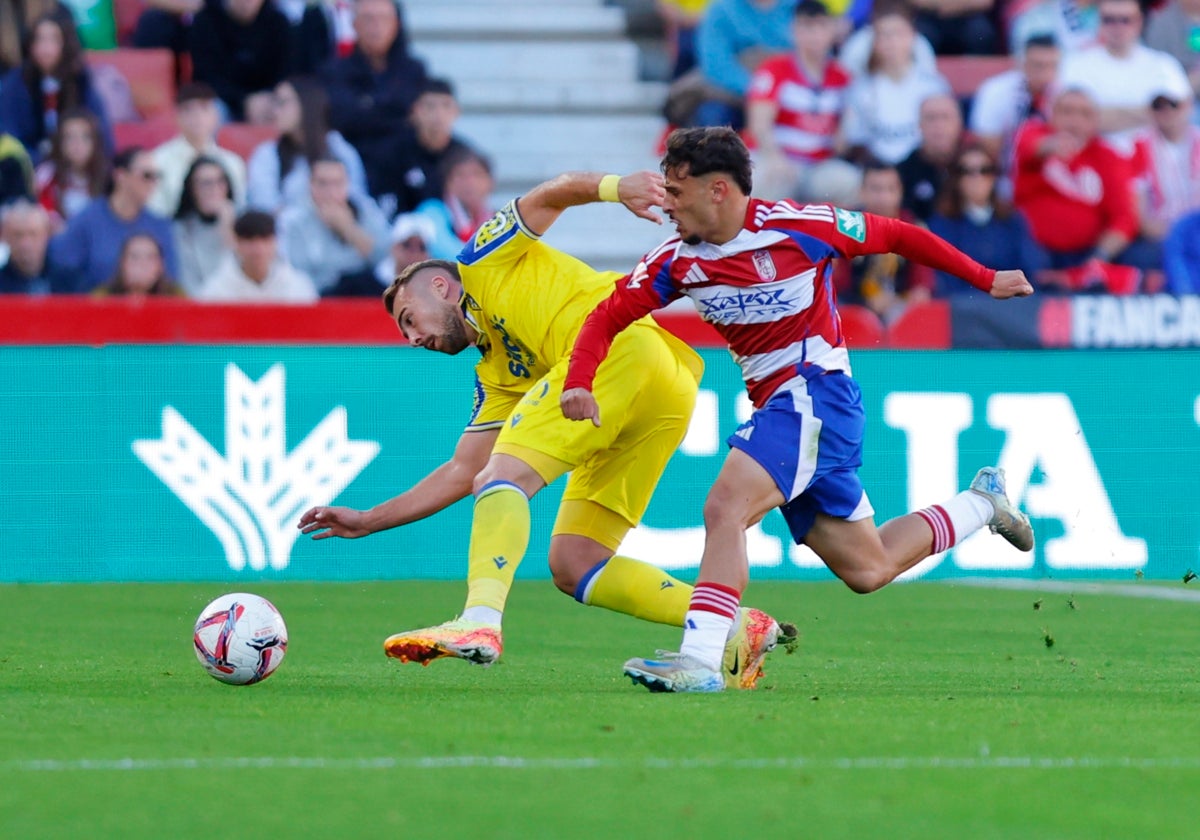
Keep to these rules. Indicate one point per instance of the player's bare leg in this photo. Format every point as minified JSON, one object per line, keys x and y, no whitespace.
{"x":741,"y":496}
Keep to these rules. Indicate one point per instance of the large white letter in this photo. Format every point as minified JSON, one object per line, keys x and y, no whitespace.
{"x":1043,"y":430}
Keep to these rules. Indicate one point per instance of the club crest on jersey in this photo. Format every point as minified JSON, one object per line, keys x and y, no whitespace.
{"x":764,"y":265}
{"x":851,"y":223}
{"x":504,"y":220}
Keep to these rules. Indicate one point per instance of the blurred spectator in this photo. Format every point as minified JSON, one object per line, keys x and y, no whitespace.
{"x":335,"y":237}
{"x":278,"y":169}
{"x":1075,"y":190}
{"x":198,"y":118}
{"x":882,"y":117}
{"x":1181,"y":256}
{"x":428,"y":143}
{"x":140,"y":272}
{"x":255,"y":272}
{"x":240,"y":48}
{"x":17,"y":18}
{"x":371,"y":91}
{"x":53,"y":79}
{"x":1073,"y":23}
{"x":412,"y":235}
{"x":1174,"y":28}
{"x":92,"y":241}
{"x":680,"y":19}
{"x":855,"y":53}
{"x":958,"y":27}
{"x":925,"y":170}
{"x":25,"y":231}
{"x":165,"y":24}
{"x":465,"y":204}
{"x":733,"y":38}
{"x":76,"y":170}
{"x":884,"y":283}
{"x":971,"y":217}
{"x":203,"y":223}
{"x":1121,"y":74}
{"x":16,"y":170}
{"x":1166,"y":162}
{"x":310,"y":23}
{"x":794,"y":108}
{"x":1006,"y":100}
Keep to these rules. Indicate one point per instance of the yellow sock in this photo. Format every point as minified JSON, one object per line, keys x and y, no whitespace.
{"x":635,"y":588}
{"x":499,"y":537}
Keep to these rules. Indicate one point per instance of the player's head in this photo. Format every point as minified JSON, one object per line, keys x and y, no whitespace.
{"x":424,"y":302}
{"x":707,"y":180}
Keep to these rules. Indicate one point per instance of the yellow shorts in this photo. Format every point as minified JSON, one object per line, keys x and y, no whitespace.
{"x":646,"y":390}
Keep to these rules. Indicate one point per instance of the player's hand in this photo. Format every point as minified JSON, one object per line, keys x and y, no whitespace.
{"x":640,"y":192}
{"x":579,"y":404}
{"x":326,"y":522}
{"x":1009,"y":284}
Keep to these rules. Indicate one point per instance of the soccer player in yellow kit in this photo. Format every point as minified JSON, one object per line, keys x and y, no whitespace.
{"x":521,"y":303}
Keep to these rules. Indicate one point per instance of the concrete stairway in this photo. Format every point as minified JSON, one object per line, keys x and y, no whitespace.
{"x":549,"y":86}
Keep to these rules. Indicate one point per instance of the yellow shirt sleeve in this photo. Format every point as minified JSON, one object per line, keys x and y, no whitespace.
{"x":492,"y":404}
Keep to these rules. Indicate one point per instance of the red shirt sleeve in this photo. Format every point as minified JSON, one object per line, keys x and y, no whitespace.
{"x":635,"y":296}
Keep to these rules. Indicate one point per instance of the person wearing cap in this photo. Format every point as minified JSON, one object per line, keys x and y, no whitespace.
{"x":199,"y":119}
{"x":412,"y":235}
{"x":1121,"y":74}
{"x":1167,"y":162}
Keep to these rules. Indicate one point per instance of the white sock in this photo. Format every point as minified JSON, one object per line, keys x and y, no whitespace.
{"x":955,"y":520}
{"x":482,"y":615}
{"x":704,"y":637}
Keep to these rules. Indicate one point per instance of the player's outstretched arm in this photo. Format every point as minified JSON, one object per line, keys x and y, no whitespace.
{"x":436,"y":491}
{"x":640,"y":192}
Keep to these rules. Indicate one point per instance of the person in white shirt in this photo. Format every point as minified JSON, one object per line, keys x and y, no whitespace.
{"x":198,"y":118}
{"x":882,"y":108}
{"x":254,"y":272}
{"x":1167,"y":163}
{"x":1120,"y":73}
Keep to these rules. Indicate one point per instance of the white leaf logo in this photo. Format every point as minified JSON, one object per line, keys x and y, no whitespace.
{"x":251,"y":498}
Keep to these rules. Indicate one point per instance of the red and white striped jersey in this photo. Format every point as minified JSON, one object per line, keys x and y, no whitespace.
{"x":809,"y":110}
{"x":768,"y":291}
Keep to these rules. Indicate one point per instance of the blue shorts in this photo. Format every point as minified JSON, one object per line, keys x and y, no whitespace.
{"x":808,"y":437}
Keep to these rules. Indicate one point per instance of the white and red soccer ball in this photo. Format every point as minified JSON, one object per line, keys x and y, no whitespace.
{"x":240,"y":638}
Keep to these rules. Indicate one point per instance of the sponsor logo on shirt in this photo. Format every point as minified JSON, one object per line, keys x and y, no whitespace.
{"x":851,"y":223}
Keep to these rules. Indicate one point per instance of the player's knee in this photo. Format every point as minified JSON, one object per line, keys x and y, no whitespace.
{"x":723,"y":507}
{"x":564,"y":571}
{"x":866,"y":581}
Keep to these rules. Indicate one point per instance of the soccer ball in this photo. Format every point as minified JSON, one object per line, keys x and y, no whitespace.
{"x":240,"y":638}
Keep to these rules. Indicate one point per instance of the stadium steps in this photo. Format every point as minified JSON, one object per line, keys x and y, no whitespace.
{"x":549,"y":86}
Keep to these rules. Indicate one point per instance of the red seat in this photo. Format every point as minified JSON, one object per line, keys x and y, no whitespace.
{"x":145,"y":134}
{"x":150,"y":73}
{"x":125,"y":15}
{"x":966,"y":72}
{"x":244,"y":138}
{"x":861,"y":326}
{"x":922,"y":326}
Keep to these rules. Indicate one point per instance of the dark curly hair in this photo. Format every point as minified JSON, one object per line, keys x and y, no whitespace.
{"x":708,"y":149}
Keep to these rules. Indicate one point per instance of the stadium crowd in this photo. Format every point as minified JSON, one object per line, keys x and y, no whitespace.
{"x":1079,"y":163}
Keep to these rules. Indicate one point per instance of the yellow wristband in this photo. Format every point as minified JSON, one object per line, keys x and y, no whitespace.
{"x":608,"y":188}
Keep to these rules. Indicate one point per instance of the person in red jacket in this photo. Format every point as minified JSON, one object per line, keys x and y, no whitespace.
{"x":1075,"y":190}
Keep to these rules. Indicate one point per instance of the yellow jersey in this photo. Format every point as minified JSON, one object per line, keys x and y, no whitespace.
{"x":527,"y":302}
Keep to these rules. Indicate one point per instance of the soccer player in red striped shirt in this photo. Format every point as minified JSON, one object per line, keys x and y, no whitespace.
{"x":760,"y":273}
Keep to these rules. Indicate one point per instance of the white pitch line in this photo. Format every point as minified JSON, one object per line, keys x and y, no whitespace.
{"x":1126,"y":590}
{"x":496,"y":762}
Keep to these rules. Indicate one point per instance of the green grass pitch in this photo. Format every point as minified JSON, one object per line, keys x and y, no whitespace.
{"x":925,"y":710}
